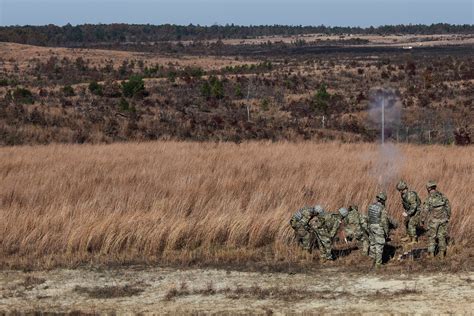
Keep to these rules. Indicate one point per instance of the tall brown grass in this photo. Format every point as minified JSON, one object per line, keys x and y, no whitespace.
{"x":189,"y":202}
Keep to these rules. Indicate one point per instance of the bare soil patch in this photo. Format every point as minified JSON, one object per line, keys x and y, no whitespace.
{"x":206,"y":291}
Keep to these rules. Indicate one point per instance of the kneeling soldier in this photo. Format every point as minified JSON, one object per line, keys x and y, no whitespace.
{"x":355,"y":227}
{"x":300,"y":224}
{"x":325,"y":227}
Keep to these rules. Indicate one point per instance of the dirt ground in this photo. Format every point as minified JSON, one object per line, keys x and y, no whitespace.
{"x":202,"y":291}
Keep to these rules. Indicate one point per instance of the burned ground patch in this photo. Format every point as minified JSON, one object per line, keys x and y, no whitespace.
{"x":113,"y":291}
{"x":256,"y":292}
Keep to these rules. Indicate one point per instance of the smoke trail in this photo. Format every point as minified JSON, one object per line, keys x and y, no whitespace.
{"x":385,"y":113}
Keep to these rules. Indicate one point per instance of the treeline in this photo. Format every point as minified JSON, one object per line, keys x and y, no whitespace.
{"x":68,"y":35}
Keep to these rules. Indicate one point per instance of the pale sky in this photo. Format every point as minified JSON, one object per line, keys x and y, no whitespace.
{"x":241,"y":12}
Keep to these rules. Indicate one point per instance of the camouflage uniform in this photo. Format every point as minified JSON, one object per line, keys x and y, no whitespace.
{"x":412,"y":205}
{"x":325,"y":227}
{"x":438,"y":212}
{"x":378,"y":224}
{"x":299,"y":222}
{"x":355,"y":227}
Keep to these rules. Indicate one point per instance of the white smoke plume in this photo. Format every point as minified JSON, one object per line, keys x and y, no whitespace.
{"x":385,"y":110}
{"x":385,"y":114}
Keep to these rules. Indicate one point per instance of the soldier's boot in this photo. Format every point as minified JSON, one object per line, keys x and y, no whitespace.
{"x":327,"y":257}
{"x":376,"y":265}
{"x":407,"y":245}
{"x":431,"y":255}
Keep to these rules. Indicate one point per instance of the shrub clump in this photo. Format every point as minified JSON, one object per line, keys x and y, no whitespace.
{"x":96,"y":88}
{"x":321,"y":99}
{"x":68,"y":91}
{"x":23,"y":96}
{"x":213,"y":88}
{"x":124,"y":106}
{"x":134,"y":87}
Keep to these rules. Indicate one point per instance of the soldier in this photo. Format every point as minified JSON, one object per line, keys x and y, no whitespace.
{"x":378,"y":227}
{"x":412,"y":205}
{"x":299,"y":222}
{"x":325,"y":227}
{"x":355,"y":227}
{"x":438,"y":211}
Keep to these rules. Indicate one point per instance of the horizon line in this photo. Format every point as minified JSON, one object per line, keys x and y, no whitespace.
{"x":238,"y":25}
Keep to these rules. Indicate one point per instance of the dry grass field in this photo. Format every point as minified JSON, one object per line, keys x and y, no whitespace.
{"x":21,"y":55}
{"x":392,"y":40}
{"x":220,"y":203}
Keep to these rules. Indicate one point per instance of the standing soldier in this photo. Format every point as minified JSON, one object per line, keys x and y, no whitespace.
{"x":412,"y":205}
{"x":300,"y":223}
{"x":325,"y":227}
{"x":355,"y":227}
{"x":438,"y":212}
{"x":378,"y":224}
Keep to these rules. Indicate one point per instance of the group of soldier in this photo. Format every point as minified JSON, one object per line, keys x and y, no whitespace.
{"x":316,"y":228}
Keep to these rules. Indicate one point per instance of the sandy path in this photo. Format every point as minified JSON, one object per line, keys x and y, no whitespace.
{"x":163,"y":290}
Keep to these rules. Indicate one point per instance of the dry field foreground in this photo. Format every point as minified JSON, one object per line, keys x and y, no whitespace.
{"x":209,"y":203}
{"x":167,"y":291}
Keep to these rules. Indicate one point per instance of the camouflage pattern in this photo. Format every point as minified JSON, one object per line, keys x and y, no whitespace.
{"x":355,"y":228}
{"x":438,"y":212}
{"x":402,"y":185}
{"x":412,"y":205}
{"x":333,"y":221}
{"x":325,"y":227}
{"x":343,"y":212}
{"x":299,"y":222}
{"x":431,"y":185}
{"x":382,"y":196}
{"x":378,"y":227}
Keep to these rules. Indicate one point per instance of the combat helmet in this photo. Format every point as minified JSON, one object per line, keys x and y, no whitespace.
{"x":431,"y":185}
{"x":402,"y":185}
{"x":382,"y":196}
{"x":343,"y":211}
{"x":318,"y":209}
